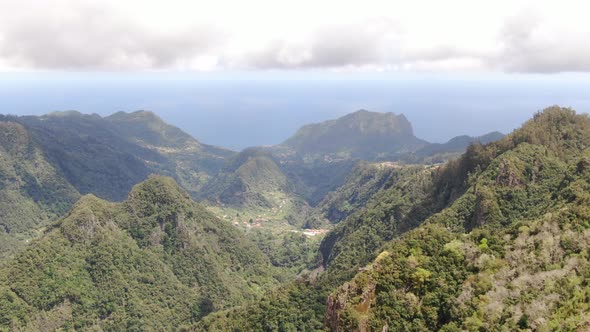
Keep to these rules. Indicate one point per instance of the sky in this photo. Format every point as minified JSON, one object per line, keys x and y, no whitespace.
{"x":242,"y":73}
{"x":372,"y":35}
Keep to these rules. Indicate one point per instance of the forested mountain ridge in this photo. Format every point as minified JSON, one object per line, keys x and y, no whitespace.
{"x":502,"y":255}
{"x":107,"y":156}
{"x":497,"y":241}
{"x":47,"y":162}
{"x":195,"y":162}
{"x":245,"y":178}
{"x":33,"y":192}
{"x":362,"y":184}
{"x":331,"y":149}
{"x":253,"y":184}
{"x":155,"y":261}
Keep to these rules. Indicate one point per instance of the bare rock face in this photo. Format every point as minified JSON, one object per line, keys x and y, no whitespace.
{"x":335,"y":304}
{"x":351,"y":298}
{"x":507,"y":176}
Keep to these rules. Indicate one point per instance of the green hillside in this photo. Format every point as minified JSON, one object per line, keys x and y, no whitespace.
{"x":32,"y":191}
{"x":155,"y":261}
{"x":189,"y":161}
{"x":245,"y":179}
{"x":107,"y":156}
{"x":492,"y":241}
{"x":252,"y":189}
{"x":46,"y":162}
{"x":508,"y":254}
{"x":362,"y":184}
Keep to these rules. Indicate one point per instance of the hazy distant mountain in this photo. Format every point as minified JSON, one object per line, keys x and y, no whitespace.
{"x":371,"y":136}
{"x":457,"y":144}
{"x":359,"y":135}
{"x":107,"y":156}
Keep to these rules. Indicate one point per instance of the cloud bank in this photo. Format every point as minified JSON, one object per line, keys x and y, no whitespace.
{"x":507,"y":36}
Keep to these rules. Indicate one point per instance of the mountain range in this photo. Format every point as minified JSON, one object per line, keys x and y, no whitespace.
{"x":101,"y":230}
{"x":48,"y":162}
{"x":495,"y":240}
{"x":317,"y":159}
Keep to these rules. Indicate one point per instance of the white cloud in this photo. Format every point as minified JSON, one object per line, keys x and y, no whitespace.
{"x":553,"y":40}
{"x":503,"y":35}
{"x":90,"y":36}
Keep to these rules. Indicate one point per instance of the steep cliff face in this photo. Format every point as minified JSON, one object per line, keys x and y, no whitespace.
{"x":337,"y":303}
{"x":362,"y":134}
